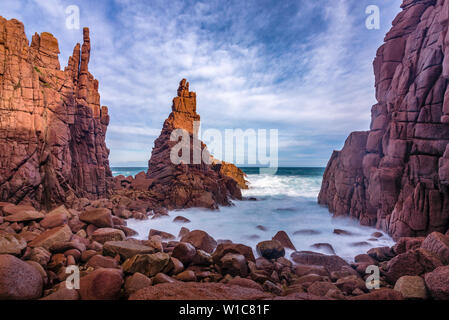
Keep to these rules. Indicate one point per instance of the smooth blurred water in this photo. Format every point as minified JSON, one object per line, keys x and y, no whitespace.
{"x":285,"y":201}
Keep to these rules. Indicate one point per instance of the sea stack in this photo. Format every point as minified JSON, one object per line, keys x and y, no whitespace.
{"x":52,"y":126}
{"x":196,"y":182}
{"x":396,"y":175}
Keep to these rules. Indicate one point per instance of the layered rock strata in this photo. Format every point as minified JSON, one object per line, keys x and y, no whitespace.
{"x":396,"y":175}
{"x":52,"y":126}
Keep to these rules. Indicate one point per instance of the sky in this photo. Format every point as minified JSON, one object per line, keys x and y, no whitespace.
{"x":303,"y":67}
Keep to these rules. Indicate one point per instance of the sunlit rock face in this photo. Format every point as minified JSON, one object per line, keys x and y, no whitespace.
{"x":52,"y":126}
{"x":396,"y":175}
{"x":198,"y":181}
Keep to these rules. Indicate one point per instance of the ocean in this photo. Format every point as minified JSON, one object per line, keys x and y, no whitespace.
{"x":286,"y":202}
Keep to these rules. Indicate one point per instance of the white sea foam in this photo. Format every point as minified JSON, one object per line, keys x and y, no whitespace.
{"x":285,"y":203}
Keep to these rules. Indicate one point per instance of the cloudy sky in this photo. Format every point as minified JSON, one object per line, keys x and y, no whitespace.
{"x":303,"y":67}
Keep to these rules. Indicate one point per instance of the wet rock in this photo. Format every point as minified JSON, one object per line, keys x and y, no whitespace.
{"x":306,"y":232}
{"x":162,"y":234}
{"x":200,"y":240}
{"x":234,"y":265}
{"x":18,"y":279}
{"x":284,"y":239}
{"x":101,"y":284}
{"x":377,"y":234}
{"x":342,"y":232}
{"x":271,"y":249}
{"x":184,"y":252}
{"x":411,"y":287}
{"x":262,"y":228}
{"x":302,"y":270}
{"x":330,"y":262}
{"x":225,"y":248}
{"x":181,"y":219}
{"x":182,"y":232}
{"x":325,"y":247}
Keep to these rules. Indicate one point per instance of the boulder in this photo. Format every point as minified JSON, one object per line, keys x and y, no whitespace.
{"x":438,"y":244}
{"x":126,"y":249}
{"x":147,"y":264}
{"x":25,"y":216}
{"x":100,"y":217}
{"x":52,"y":236}
{"x":103,"y":235}
{"x":184,"y":252}
{"x":200,"y":240}
{"x":411,"y":287}
{"x":136,"y":282}
{"x":162,"y":234}
{"x":321,"y":288}
{"x":437,"y":282}
{"x":18,"y":279}
{"x":11,"y":243}
{"x":234,"y":265}
{"x":284,"y":239}
{"x":225,"y":248}
{"x":101,"y":284}
{"x":330,"y":262}
{"x":99,"y":261}
{"x":380,"y":294}
{"x":411,"y":263}
{"x":271,"y":249}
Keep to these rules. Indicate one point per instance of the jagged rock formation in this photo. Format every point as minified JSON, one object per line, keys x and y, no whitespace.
{"x":396,"y":176}
{"x":195,"y":182}
{"x":52,"y":127}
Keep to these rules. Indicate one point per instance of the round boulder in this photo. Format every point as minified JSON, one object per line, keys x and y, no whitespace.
{"x":271,"y":249}
{"x":18,"y":279}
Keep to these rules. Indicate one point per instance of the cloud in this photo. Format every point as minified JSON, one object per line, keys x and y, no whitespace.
{"x":303,"y":67}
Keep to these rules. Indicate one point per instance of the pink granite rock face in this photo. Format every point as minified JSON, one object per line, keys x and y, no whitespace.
{"x":52,"y":126}
{"x":396,"y":175}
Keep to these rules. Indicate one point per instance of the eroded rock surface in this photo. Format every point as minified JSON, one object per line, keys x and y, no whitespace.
{"x":52,"y":126}
{"x":396,"y":175}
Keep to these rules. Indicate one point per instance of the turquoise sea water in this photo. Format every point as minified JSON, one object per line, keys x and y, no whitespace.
{"x":286,"y":201}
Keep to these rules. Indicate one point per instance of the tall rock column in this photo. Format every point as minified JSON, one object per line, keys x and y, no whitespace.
{"x":396,"y":175}
{"x":52,"y":128}
{"x":195,"y":182}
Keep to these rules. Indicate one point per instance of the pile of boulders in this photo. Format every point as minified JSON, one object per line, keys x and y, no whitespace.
{"x":41,"y":254}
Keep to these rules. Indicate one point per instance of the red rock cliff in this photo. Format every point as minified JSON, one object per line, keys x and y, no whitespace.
{"x":396,"y":176}
{"x":192,"y":183}
{"x":52,"y":127}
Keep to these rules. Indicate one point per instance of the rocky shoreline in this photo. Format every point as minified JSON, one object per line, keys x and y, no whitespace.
{"x":38,"y":250}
